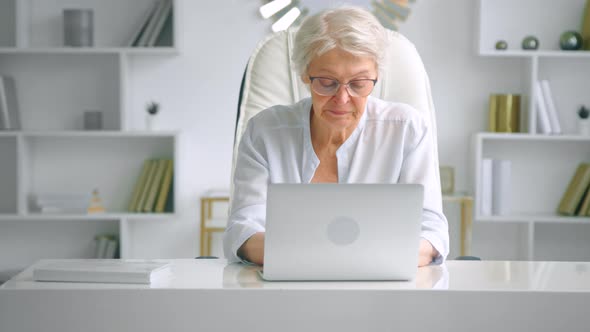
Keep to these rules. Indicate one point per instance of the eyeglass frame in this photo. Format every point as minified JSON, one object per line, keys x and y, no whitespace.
{"x":347,"y":85}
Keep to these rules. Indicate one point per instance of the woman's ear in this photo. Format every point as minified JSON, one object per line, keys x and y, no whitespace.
{"x":305,"y":78}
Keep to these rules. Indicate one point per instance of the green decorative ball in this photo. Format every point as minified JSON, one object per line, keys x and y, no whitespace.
{"x":530,"y":43}
{"x":570,"y":41}
{"x":501,"y":45}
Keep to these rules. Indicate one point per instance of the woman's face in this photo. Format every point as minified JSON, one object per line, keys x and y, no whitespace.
{"x":341,"y":111}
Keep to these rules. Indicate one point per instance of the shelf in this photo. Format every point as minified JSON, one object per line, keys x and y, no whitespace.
{"x":98,"y":216}
{"x":539,"y":218}
{"x":536,"y":53}
{"x":9,"y":133}
{"x":91,"y":50}
{"x":88,"y":133}
{"x":99,"y":133}
{"x":532,"y":137}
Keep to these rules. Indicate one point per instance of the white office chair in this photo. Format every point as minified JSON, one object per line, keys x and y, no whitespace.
{"x":270,"y":80}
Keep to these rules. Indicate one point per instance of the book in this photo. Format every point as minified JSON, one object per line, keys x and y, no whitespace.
{"x":572,"y":197}
{"x":486,"y":187}
{"x":165,"y":188}
{"x":141,"y":28}
{"x":501,"y":198}
{"x":111,"y":248}
{"x":101,"y":271}
{"x":160,"y":20}
{"x":543,"y":124}
{"x":586,"y":27}
{"x":100,"y":245}
{"x":584,"y":209}
{"x":138,"y":186}
{"x":166,"y":37}
{"x":153,"y":165}
{"x":550,"y":105}
{"x":9,"y":111}
{"x":155,"y":186}
{"x":151,"y":24}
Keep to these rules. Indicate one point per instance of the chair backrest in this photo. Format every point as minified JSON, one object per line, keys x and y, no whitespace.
{"x":271,"y":80}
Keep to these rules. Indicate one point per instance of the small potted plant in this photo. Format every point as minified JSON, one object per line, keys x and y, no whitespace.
{"x":584,"y":121}
{"x":152,"y":110}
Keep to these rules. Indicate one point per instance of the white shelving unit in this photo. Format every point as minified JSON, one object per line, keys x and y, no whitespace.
{"x":52,"y":152}
{"x":542,"y":165}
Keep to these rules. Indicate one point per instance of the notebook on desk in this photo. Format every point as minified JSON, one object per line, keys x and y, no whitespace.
{"x":342,"y":231}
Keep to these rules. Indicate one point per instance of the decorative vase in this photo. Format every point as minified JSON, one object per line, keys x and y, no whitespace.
{"x":570,"y":41}
{"x":530,"y":43}
{"x":78,"y":25}
{"x":501,"y":45}
{"x":584,"y":127}
{"x":150,"y":121}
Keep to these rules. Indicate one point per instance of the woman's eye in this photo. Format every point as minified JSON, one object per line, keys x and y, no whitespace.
{"x":328,"y":83}
{"x":358,"y":84}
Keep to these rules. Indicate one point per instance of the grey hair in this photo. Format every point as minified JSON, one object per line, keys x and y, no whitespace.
{"x":352,"y":29}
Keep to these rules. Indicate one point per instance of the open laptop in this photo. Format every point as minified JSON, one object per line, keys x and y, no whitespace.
{"x":342,"y":231}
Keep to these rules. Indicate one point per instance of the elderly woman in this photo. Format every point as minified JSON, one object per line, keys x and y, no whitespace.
{"x":339,"y":135}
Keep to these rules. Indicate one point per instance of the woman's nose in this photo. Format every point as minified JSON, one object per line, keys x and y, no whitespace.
{"x":342,"y":96}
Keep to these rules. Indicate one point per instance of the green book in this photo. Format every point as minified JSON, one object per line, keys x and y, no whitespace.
{"x":586,"y":27}
{"x":154,"y":186}
{"x":165,"y":187}
{"x":584,"y":209}
{"x":572,"y":198}
{"x":145,"y":188}
{"x":138,"y":186}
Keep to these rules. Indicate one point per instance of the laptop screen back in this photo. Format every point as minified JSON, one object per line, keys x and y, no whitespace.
{"x":342,"y":231}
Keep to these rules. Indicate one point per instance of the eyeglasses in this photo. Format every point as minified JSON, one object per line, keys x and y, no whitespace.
{"x":324,"y":86}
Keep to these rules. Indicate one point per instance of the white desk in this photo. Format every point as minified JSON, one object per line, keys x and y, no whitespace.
{"x":208,"y":295}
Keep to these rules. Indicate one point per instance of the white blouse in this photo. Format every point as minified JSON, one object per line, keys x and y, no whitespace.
{"x":391,"y":144}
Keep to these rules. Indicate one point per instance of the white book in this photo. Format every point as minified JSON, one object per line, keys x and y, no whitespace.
{"x":543,"y":123}
{"x":486,"y":187}
{"x":63,"y":210}
{"x":501,"y":197}
{"x":551,"y":109}
{"x":102,"y":271}
{"x":160,"y":20}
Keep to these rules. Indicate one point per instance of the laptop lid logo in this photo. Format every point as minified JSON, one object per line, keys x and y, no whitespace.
{"x":343,"y":231}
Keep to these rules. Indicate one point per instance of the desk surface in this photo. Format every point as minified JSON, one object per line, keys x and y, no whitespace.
{"x":209,"y":295}
{"x":452,"y":276}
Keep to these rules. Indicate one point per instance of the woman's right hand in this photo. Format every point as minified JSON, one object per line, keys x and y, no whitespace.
{"x":253,"y":249}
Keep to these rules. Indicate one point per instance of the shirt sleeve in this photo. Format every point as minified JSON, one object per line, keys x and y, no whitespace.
{"x":247,"y":213}
{"x":419,"y":166}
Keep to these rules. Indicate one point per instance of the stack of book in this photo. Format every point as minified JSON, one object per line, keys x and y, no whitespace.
{"x":156,"y":29}
{"x":106,"y":246}
{"x":576,"y":199}
{"x":9,"y":113}
{"x":495,"y":187}
{"x":504,"y":113}
{"x":102,"y":271}
{"x":153,"y":189}
{"x":547,"y":119}
{"x":72,"y":203}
